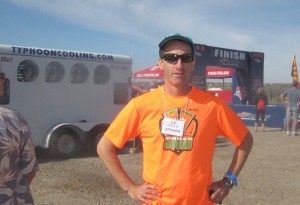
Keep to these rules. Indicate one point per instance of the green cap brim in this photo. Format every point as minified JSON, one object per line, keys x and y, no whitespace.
{"x":177,"y":37}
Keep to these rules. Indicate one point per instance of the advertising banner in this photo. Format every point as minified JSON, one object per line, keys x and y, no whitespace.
{"x":246,"y":67}
{"x":274,"y":118}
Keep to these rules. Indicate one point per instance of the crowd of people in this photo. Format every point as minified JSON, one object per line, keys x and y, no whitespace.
{"x":290,"y":98}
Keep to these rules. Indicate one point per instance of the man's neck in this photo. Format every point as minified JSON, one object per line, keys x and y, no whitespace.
{"x":177,"y":91}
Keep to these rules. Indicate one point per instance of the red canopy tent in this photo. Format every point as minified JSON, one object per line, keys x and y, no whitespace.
{"x":153,"y":72}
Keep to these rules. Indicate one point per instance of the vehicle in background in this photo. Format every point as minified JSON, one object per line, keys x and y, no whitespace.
{"x":68,"y":98}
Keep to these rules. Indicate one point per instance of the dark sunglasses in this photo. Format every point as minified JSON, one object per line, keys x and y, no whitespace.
{"x":173,"y":58}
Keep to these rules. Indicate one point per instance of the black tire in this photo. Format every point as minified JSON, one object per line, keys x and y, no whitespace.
{"x":65,"y":144}
{"x":97,"y":139}
{"x":94,"y":139}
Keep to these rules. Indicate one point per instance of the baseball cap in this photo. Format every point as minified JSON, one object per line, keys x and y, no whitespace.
{"x":179,"y":37}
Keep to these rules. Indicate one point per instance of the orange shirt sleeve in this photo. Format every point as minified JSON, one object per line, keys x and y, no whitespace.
{"x":124,"y":126}
{"x":231,"y":126}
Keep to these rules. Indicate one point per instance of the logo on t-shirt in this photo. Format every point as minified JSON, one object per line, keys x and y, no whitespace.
{"x":183,"y":143}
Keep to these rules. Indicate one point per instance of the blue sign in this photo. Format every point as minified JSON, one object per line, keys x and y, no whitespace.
{"x":275,"y":114}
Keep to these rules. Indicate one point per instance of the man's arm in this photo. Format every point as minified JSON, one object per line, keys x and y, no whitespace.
{"x":241,"y":154}
{"x":283,"y":96}
{"x":30,"y":176}
{"x":107,"y":152}
{"x":144,"y":192}
{"x":218,"y":189}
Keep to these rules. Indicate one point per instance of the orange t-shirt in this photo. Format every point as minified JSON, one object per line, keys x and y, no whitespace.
{"x":180,"y":166}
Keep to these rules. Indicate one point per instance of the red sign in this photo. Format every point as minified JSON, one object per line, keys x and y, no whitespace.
{"x":152,"y":72}
{"x":217,"y":72}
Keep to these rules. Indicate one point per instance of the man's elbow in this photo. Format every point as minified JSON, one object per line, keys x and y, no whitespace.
{"x":105,"y":146}
{"x":247,"y":142}
{"x":30,"y":176}
{"x":101,"y":147}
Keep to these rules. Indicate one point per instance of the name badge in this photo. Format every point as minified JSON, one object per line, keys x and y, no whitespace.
{"x":173,"y":127}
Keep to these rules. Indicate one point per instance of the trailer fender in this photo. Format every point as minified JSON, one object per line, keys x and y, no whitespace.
{"x":81,"y":128}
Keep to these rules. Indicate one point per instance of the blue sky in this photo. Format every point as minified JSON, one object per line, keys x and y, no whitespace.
{"x":135,"y":27}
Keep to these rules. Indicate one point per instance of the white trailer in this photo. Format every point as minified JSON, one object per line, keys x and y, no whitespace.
{"x":67,"y":97}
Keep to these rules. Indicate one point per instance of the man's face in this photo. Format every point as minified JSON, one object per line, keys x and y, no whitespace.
{"x":177,"y":73}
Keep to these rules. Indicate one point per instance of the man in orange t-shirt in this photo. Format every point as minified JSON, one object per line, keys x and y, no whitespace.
{"x":178,"y":125}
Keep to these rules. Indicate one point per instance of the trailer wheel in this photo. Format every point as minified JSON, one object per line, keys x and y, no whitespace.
{"x":65,"y":144}
{"x":97,"y":139}
{"x":96,"y":136}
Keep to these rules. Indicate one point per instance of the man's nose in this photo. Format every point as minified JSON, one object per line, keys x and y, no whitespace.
{"x":179,"y":63}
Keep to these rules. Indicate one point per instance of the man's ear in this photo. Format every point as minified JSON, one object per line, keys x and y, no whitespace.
{"x":160,"y":64}
{"x":194,"y":64}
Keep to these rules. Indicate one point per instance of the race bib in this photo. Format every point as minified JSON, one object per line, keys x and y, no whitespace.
{"x":173,"y":127}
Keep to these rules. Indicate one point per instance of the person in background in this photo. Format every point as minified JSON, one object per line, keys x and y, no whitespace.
{"x":178,"y":125}
{"x":261,"y":101}
{"x":291,"y":97}
{"x":18,"y":164}
{"x":138,"y":89}
{"x":152,"y":86}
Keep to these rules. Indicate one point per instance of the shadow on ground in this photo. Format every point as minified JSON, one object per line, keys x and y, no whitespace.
{"x":44,"y":156}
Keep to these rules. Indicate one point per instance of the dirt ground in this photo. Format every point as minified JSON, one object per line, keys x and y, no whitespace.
{"x":270,"y":176}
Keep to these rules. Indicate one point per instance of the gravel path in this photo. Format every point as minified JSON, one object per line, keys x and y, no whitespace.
{"x":270,"y":176}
